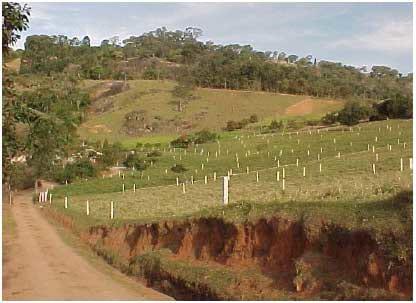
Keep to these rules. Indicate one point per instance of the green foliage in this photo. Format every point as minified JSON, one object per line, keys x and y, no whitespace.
{"x":209,"y":65}
{"x":178,"y":168}
{"x":154,"y":153}
{"x":82,"y":168}
{"x":133,"y":160}
{"x":15,"y":20}
{"x":398,"y":106}
{"x":21,"y":176}
{"x":111,"y":153}
{"x":274,"y":125}
{"x":204,"y":136}
{"x":330,"y":118}
{"x":353,"y":112}
{"x":181,"y":142}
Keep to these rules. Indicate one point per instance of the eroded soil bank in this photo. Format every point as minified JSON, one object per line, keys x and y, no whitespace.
{"x":283,"y":259}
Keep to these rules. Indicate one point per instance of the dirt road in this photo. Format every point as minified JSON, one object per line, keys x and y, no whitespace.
{"x":38,"y":265}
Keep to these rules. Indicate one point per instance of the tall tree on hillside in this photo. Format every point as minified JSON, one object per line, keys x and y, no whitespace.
{"x":182,"y":94}
{"x":15,"y":20}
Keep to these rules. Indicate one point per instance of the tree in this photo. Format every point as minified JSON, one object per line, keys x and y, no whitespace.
{"x":86,"y":41}
{"x":182,"y":94}
{"x":15,"y":20}
{"x":353,"y":112}
{"x":292,"y":58}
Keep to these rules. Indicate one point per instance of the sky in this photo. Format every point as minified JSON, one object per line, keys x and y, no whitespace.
{"x":355,"y":34}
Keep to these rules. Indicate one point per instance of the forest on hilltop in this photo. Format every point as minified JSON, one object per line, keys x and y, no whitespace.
{"x":164,"y":54}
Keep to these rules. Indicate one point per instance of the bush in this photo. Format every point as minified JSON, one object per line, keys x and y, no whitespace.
{"x":82,"y":168}
{"x":22,"y":176}
{"x":178,"y":168}
{"x":133,"y":160}
{"x":181,"y":142}
{"x":353,"y":112}
{"x":253,"y":118}
{"x":154,"y":153}
{"x":330,"y":118}
{"x":274,"y":125}
{"x":204,"y":136}
{"x":232,"y":125}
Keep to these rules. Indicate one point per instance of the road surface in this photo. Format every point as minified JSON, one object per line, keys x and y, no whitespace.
{"x":38,"y":265}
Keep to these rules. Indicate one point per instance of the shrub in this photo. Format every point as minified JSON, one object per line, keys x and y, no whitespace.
{"x":22,"y":176}
{"x":330,"y":118}
{"x":154,"y":153}
{"x":233,"y":125}
{"x":181,"y":142}
{"x":274,"y":125}
{"x":133,"y":160}
{"x":204,"y":136}
{"x":353,"y":112}
{"x":178,"y":168}
{"x":82,"y":168}
{"x":253,"y":118}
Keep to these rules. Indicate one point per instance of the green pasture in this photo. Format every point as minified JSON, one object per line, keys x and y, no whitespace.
{"x":344,"y":180}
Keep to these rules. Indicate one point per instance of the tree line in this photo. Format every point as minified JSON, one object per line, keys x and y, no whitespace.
{"x":210,"y":65}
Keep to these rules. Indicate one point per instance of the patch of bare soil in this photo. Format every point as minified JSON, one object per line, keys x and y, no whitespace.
{"x":98,"y":128}
{"x":306,"y":106}
{"x":40,"y":266}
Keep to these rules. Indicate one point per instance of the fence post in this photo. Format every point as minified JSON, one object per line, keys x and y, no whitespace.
{"x":257,"y":176}
{"x":111,"y":210}
{"x":88,"y":208}
{"x":66,"y":202}
{"x":225,"y":190}
{"x":401,"y":164}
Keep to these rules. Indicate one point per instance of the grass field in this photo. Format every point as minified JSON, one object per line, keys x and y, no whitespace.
{"x":211,"y":109}
{"x":345,"y":190}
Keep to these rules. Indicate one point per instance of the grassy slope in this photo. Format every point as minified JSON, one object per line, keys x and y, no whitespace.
{"x":346,"y":193}
{"x":327,"y":193}
{"x":211,"y":109}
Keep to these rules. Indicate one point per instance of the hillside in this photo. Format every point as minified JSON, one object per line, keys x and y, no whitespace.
{"x":152,"y":113}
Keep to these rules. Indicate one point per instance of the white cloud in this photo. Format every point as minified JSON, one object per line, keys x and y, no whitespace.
{"x":395,"y":36}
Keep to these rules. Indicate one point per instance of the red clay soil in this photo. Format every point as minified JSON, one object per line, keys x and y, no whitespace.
{"x":306,"y":106}
{"x":274,"y":245}
{"x":38,"y":265}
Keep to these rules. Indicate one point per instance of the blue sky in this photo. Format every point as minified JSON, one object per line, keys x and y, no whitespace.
{"x":352,"y":33}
